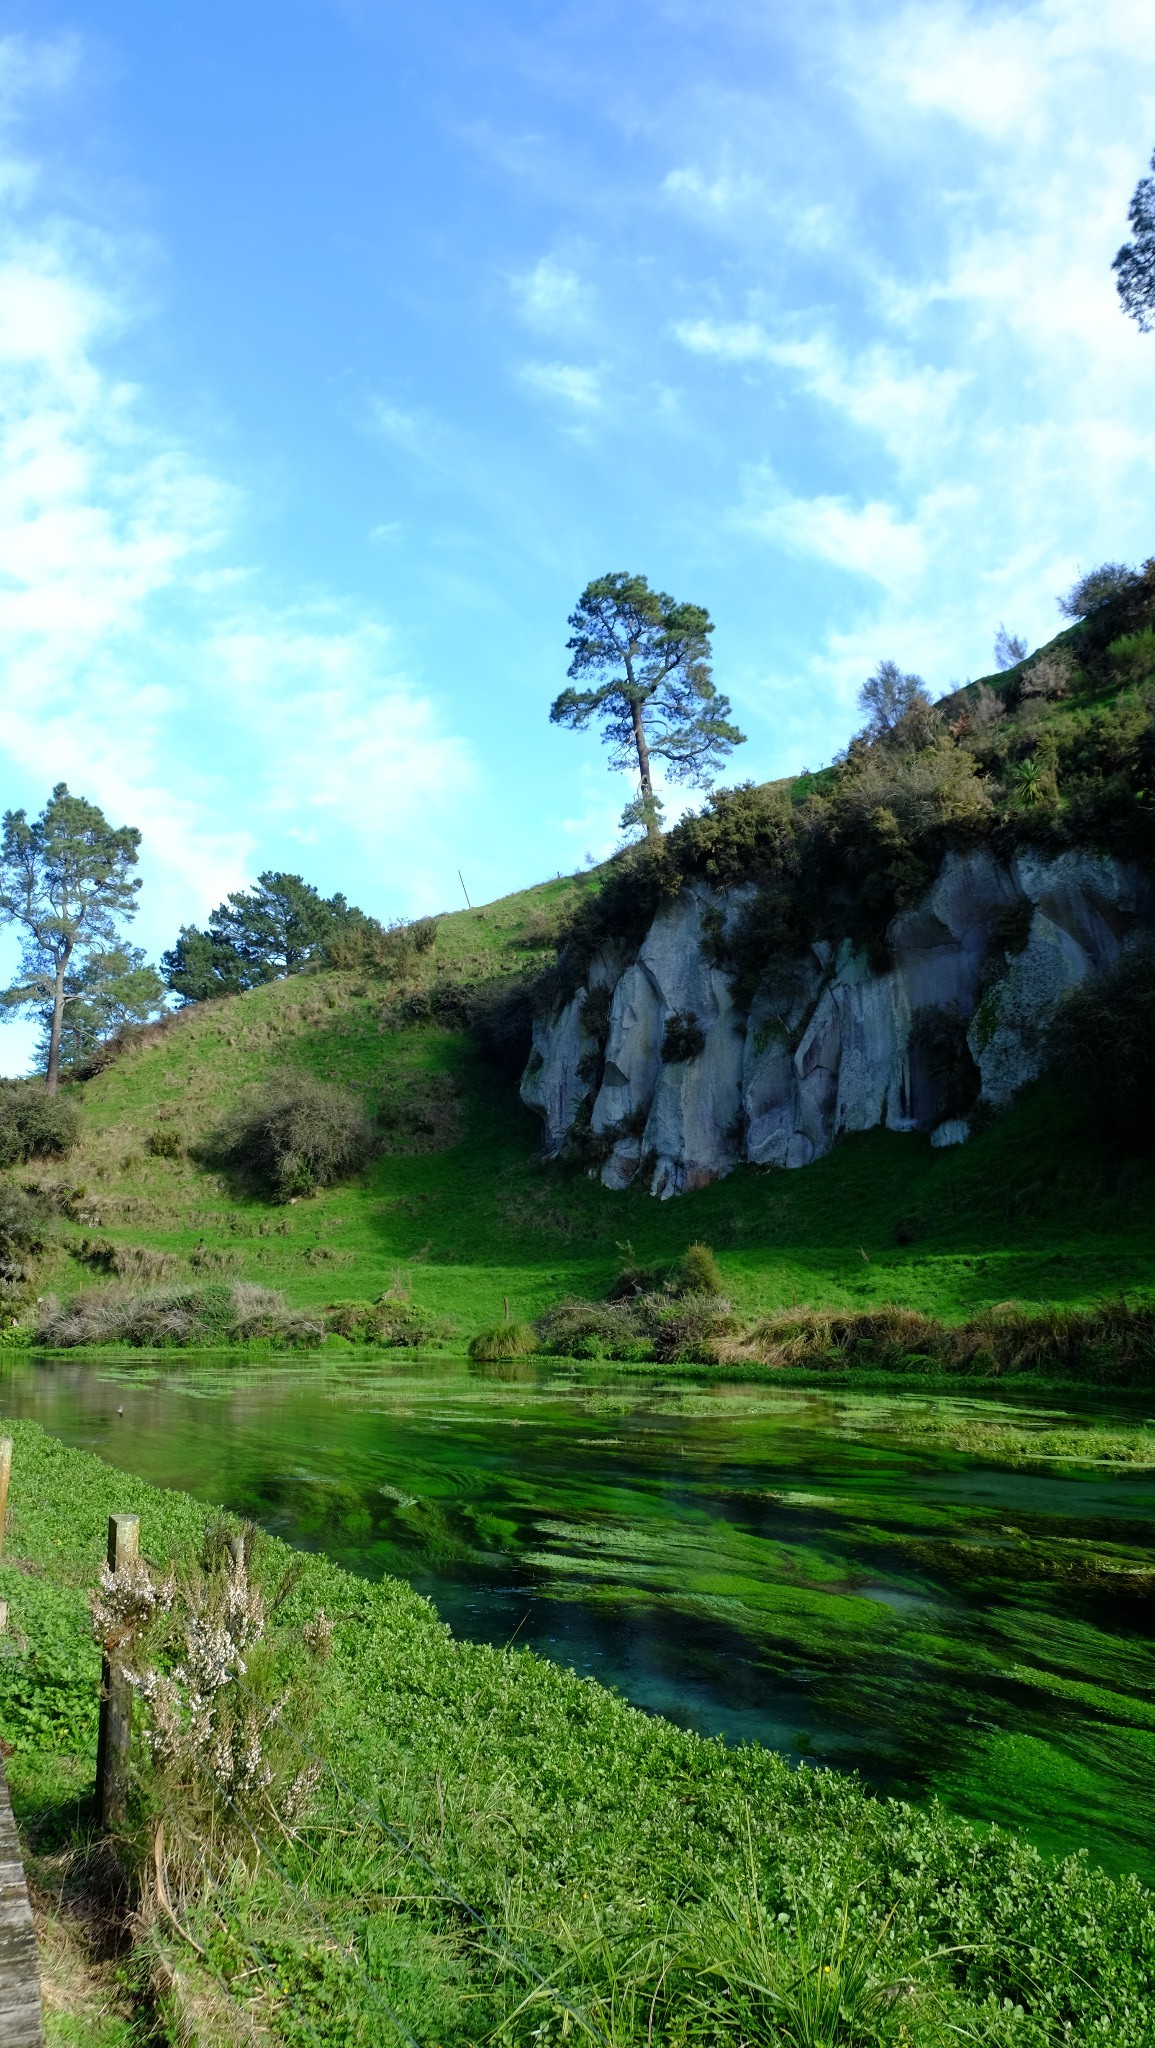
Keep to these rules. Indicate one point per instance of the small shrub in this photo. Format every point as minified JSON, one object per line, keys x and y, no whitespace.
{"x":1101,"y":1045}
{"x":633,"y":1281}
{"x":1134,"y":653}
{"x":504,"y":1340}
{"x":595,"y":1012}
{"x":698,"y":1271}
{"x":35,"y":1124}
{"x":299,"y":1136}
{"x":165,"y":1144}
{"x":391,"y":1323}
{"x":684,"y":1038}
{"x":1012,"y":926}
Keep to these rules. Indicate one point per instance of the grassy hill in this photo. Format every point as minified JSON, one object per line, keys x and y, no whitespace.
{"x":460,"y":1209}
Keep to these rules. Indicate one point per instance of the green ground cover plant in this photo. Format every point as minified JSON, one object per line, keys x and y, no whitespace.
{"x":494,"y":1849}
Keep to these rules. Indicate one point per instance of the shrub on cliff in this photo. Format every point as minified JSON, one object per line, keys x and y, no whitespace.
{"x":300,"y":1135}
{"x":1101,"y":1045}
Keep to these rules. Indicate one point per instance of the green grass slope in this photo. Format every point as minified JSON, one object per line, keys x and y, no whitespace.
{"x":460,"y":1209}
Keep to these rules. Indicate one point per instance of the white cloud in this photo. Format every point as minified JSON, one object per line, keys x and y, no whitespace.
{"x":550,"y":297}
{"x":136,"y":661}
{"x":574,"y":385}
{"x":870,"y":540}
{"x":896,"y":401}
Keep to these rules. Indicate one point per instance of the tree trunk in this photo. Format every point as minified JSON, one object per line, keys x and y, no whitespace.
{"x":53,"y":1077}
{"x":652,"y":831}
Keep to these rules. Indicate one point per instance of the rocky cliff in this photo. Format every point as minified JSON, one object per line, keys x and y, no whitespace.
{"x":651,"y":1067}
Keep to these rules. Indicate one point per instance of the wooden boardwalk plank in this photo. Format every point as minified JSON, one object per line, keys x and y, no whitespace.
{"x":20,"y":2019}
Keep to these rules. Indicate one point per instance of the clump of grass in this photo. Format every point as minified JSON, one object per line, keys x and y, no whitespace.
{"x":296,"y":1137}
{"x":1113,"y":1342}
{"x":158,"y":1318}
{"x":140,"y":1262}
{"x":397,"y":1325}
{"x":35,"y":1124}
{"x":698,"y":1271}
{"x":165,"y":1144}
{"x":504,"y":1340}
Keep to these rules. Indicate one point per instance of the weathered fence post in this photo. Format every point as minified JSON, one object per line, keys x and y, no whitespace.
{"x":5,"y":1476}
{"x":19,"y":1969}
{"x":115,"y":1694}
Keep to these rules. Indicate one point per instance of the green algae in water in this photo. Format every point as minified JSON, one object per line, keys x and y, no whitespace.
{"x":911,"y":1586}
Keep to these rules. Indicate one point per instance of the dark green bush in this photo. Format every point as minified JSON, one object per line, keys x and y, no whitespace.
{"x":684,"y":1038}
{"x":165,"y":1144}
{"x":35,"y":1124}
{"x":501,"y":1019}
{"x":300,"y":1135}
{"x":945,"y":1082}
{"x":1101,"y":1045}
{"x":25,"y":1228}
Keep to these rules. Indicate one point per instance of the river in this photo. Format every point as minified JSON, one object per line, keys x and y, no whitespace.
{"x":781,"y":1565}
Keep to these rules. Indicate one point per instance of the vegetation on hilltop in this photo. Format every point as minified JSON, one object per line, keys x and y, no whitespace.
{"x":1057,"y":751}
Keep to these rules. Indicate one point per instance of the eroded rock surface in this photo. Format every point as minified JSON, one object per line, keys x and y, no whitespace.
{"x":828,"y":1044}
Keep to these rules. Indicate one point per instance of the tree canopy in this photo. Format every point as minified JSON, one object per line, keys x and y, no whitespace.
{"x":66,"y":881}
{"x":888,"y":697}
{"x":645,"y":661}
{"x":1134,"y":266}
{"x":256,"y":935}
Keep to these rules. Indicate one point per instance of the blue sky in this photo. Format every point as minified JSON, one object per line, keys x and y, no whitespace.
{"x":341,"y":343}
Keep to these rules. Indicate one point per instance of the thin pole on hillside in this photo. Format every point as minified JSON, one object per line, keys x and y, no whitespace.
{"x":115,"y":1694}
{"x":5,"y":1476}
{"x":464,"y":890}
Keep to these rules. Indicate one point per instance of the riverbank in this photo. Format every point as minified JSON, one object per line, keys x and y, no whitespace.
{"x":615,"y":1855}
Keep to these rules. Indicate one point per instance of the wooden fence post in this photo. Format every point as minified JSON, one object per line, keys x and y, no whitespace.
{"x":19,"y":1967}
{"x":115,"y":1695}
{"x":5,"y":1475}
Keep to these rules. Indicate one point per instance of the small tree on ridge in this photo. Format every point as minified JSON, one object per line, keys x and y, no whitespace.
{"x":646,"y":661}
{"x":65,"y":881}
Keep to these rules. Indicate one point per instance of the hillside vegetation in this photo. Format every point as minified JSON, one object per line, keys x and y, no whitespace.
{"x":457,"y":1220}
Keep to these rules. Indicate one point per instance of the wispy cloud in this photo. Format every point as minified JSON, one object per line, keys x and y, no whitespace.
{"x":573,"y":384}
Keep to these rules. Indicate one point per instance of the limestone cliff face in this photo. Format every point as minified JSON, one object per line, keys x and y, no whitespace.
{"x":828,"y":1045}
